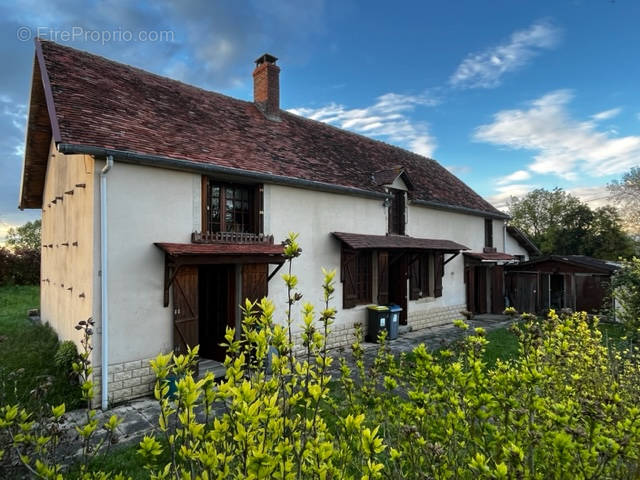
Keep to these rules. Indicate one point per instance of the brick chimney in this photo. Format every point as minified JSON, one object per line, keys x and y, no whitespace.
{"x":266,"y":86}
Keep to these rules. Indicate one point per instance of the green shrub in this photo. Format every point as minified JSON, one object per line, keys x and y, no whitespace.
{"x":65,"y":356}
{"x":626,"y":291}
{"x":566,"y":407}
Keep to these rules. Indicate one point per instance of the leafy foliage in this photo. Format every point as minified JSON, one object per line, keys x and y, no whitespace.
{"x":566,"y":407}
{"x":65,"y":356}
{"x":626,"y":290}
{"x":19,"y":266}
{"x":560,"y":223}
{"x":25,"y":237}
{"x":626,"y":193}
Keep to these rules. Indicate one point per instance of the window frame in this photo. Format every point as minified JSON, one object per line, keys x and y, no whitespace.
{"x":248,"y":194}
{"x":488,"y":233}
{"x":397,"y":212}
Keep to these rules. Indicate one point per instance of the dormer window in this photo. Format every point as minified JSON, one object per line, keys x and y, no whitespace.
{"x":397,"y":212}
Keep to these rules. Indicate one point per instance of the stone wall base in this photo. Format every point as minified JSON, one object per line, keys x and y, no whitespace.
{"x":127,"y":380}
{"x":435,"y":317}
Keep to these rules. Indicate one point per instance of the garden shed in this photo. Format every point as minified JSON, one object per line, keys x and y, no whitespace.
{"x":559,"y":281}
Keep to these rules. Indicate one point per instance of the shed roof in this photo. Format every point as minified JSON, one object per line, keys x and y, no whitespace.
{"x":397,"y":242}
{"x":489,"y":256}
{"x":588,"y":264}
{"x":98,"y":105}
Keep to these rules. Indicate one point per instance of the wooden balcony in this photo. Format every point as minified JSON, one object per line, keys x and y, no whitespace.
{"x":231,"y":237}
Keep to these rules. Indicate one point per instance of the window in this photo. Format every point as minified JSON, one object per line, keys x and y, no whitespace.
{"x":228,"y":208}
{"x":488,"y":232}
{"x":356,"y":277}
{"x":425,"y":276}
{"x":397,"y":212}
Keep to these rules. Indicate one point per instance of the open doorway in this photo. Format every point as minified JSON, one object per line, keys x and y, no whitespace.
{"x":216,"y":288}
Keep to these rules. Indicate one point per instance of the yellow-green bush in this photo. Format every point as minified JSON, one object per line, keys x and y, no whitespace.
{"x":567,"y":407}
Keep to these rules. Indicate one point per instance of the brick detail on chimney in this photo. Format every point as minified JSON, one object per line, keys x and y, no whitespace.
{"x":266,"y":89}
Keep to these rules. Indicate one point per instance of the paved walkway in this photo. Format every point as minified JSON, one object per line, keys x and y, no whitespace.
{"x":140,"y":416}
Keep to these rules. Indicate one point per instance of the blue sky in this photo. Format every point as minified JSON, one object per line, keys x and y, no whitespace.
{"x":509,"y":95}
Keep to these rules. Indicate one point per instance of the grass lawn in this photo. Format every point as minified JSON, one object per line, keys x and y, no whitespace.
{"x":123,"y":459}
{"x":30,"y":347}
{"x":503,"y":344}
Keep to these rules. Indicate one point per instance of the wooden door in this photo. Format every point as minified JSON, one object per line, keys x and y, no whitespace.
{"x":383,"y":278}
{"x":470,"y":278}
{"x":497,"y":289}
{"x":398,"y":274}
{"x":254,"y":281}
{"x":217,"y":308}
{"x":185,"y":308}
{"x":480,"y":293}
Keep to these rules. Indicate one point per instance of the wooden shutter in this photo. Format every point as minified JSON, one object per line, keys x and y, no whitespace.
{"x":348,"y":277}
{"x":438,"y":273}
{"x":383,"y":278}
{"x":185,"y":308}
{"x":497,"y":290}
{"x":254,"y":281}
{"x":469,"y":273}
{"x":258,"y":209}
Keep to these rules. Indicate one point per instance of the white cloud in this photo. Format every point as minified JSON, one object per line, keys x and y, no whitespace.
{"x":504,"y":193}
{"x":387,"y":118}
{"x":458,"y":169}
{"x":517,"y":176}
{"x":485,"y":69}
{"x":566,"y":146}
{"x":595,"y":197}
{"x":607,"y":114}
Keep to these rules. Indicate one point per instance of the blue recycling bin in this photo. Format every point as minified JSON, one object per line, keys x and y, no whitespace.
{"x":394,"y":321}
{"x":377,"y":321}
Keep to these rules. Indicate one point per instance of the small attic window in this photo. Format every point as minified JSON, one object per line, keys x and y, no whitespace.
{"x":397,"y":212}
{"x":488,"y":232}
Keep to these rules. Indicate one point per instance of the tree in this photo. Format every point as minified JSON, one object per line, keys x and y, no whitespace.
{"x":560,"y":223}
{"x":626,"y":194}
{"x":25,"y":237}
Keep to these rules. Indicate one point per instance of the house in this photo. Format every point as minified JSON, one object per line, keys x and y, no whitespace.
{"x":577,"y":282}
{"x":164,"y":206}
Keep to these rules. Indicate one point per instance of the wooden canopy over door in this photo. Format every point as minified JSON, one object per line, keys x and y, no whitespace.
{"x":185,"y":308}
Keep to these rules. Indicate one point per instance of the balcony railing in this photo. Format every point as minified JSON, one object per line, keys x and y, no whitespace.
{"x":230,"y":237}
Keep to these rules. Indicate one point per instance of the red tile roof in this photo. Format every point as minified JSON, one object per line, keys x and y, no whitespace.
{"x":396,"y":242}
{"x":241,"y":249}
{"x":105,"y":104}
{"x":489,"y":256}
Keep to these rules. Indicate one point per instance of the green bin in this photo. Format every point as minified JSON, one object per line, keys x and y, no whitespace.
{"x":377,"y":321}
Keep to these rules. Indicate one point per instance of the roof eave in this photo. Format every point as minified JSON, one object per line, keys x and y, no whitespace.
{"x":230,"y":173}
{"x":456,"y":208}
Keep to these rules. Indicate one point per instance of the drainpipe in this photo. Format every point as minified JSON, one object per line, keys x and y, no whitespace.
{"x":504,"y":237}
{"x":104,"y":298}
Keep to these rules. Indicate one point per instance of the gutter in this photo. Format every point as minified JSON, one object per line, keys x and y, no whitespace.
{"x":104,"y":280}
{"x":226,"y":173}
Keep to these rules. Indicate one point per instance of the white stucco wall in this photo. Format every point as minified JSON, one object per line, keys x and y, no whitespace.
{"x":514,"y":248}
{"x":461,"y":228}
{"x":314,"y":215}
{"x":145,"y":205}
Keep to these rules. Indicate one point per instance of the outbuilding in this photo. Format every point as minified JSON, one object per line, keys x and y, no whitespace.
{"x":577,"y":282}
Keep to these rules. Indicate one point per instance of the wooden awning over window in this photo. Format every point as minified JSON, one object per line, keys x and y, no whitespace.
{"x":359,"y":241}
{"x":489,"y":256}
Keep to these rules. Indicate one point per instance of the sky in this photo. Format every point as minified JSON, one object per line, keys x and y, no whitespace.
{"x":509,"y":95}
